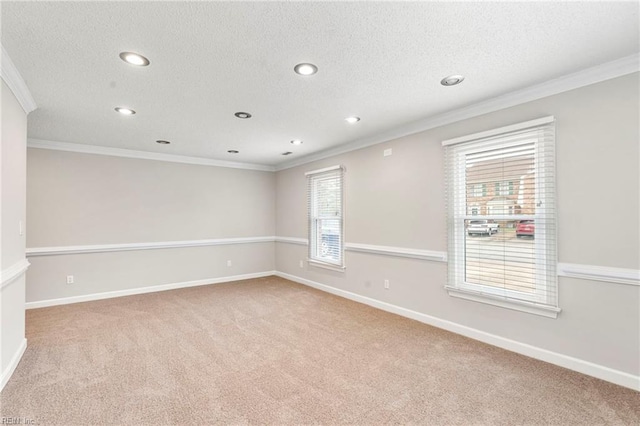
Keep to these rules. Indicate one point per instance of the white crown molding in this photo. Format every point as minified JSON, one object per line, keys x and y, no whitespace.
{"x":143,"y":290}
{"x":104,"y":248}
{"x":585,"y":367}
{"x":11,"y":367}
{"x":600,"y":273}
{"x":13,"y":272}
{"x":142,"y":155}
{"x":609,"y":70}
{"x":596,"y":74}
{"x":14,"y":80}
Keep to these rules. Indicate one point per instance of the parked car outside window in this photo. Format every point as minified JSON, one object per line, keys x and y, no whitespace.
{"x":482,"y":227}
{"x":525,"y":228}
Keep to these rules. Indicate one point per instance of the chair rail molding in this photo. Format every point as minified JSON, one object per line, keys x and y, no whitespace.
{"x":103,"y":248}
{"x":438,"y":256}
{"x":292,"y":240}
{"x":13,"y":272}
{"x":569,"y":270}
{"x":600,"y":273}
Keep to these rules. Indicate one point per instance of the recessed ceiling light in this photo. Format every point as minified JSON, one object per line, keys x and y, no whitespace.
{"x":287,"y":153}
{"x":125,"y":111}
{"x":233,"y":151}
{"x":305,"y":69}
{"x":296,"y":142}
{"x":352,"y":120}
{"x":452,"y":80}
{"x":134,"y":59}
{"x":242,"y":115}
{"x":163,"y":142}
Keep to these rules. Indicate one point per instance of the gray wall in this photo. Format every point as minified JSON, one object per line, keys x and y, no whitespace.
{"x":400,"y":201}
{"x":84,"y":199}
{"x":12,"y":211}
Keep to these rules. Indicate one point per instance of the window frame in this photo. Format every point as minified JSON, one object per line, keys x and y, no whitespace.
{"x":313,"y":222}
{"x":542,"y":301}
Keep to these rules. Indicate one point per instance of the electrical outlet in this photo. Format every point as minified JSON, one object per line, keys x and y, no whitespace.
{"x":386,"y":284}
{"x":228,"y":263}
{"x":20,"y":228}
{"x":302,"y":263}
{"x":69,"y":279}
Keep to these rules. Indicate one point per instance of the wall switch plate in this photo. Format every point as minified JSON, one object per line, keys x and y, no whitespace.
{"x":302,"y":263}
{"x":69,"y":279}
{"x":386,"y":284}
{"x":228,"y":263}
{"x":20,"y":228}
{"x":388,"y":152}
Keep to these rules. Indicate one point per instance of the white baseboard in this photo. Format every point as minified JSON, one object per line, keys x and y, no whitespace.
{"x":141,"y":290}
{"x":585,"y":367}
{"x":15,"y":360}
{"x":575,"y":364}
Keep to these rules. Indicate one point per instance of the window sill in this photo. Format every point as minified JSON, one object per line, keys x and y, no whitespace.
{"x":328,"y":266}
{"x":530,"y":308}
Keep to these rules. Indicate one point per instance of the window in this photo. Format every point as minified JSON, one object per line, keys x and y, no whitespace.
{"x":326,"y":226}
{"x":506,"y":255}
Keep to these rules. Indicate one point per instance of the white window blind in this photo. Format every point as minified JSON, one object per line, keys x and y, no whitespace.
{"x":502,"y":247}
{"x":326,"y":225}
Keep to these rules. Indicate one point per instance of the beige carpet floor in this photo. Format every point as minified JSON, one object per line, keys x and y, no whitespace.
{"x":269,"y":351}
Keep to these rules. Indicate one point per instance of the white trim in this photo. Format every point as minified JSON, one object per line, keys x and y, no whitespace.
{"x":530,"y":308}
{"x":500,"y":130}
{"x":600,"y":273}
{"x":142,"y":290}
{"x":15,"y":360}
{"x":585,"y":367}
{"x":437,"y":256}
{"x":326,"y":169}
{"x":596,"y":74}
{"x":587,"y":272}
{"x":14,"y":80}
{"x":143,"y":155}
{"x":292,"y":240}
{"x":103,"y":248}
{"x":13,"y":272}
{"x":329,"y":266}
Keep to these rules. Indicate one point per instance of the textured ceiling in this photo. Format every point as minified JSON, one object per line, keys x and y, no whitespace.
{"x":382,"y":61}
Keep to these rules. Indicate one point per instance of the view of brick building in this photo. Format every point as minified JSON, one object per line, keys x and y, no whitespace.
{"x":501,"y":186}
